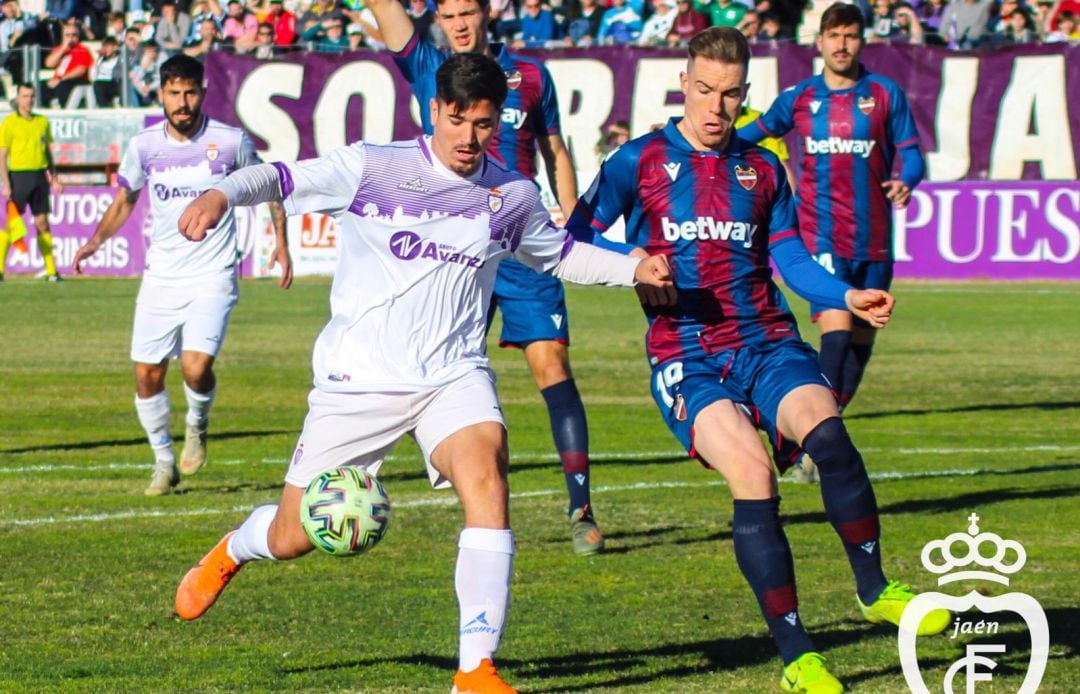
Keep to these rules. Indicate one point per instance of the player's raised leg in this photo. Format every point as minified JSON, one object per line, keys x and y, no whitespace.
{"x":153,"y":408}
{"x":475,"y":460}
{"x":807,"y":413}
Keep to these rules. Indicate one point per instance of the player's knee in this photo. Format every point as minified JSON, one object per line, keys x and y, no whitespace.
{"x":830,"y":446}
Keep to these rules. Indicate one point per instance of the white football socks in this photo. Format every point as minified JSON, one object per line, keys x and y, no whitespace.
{"x":154,"y":416}
{"x":252,"y":539}
{"x":482,"y":580}
{"x":198,"y":407}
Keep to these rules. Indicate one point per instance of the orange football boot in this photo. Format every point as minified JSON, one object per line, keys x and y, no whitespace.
{"x":205,"y":581}
{"x":483,"y":680}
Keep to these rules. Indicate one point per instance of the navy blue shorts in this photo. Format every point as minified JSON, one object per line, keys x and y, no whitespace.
{"x":756,"y":377}
{"x":861,"y":274}
{"x":533,"y":306}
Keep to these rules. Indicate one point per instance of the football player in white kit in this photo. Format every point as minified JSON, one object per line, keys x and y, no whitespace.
{"x":422,"y":226}
{"x":188,"y":289}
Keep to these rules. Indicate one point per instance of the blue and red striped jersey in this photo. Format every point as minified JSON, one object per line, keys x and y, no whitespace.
{"x":531,"y":109}
{"x":849,"y":139}
{"x":715,"y":215}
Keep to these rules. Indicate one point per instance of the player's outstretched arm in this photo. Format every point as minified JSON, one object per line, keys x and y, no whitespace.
{"x":655,"y":281}
{"x":110,"y":223}
{"x":281,"y":255}
{"x":394,"y":23}
{"x":203,"y":214}
{"x":874,"y":306}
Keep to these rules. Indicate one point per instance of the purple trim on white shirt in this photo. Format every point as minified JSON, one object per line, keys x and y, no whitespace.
{"x":567,"y":245}
{"x":123,"y":182}
{"x":424,"y":149}
{"x":285,"y":179}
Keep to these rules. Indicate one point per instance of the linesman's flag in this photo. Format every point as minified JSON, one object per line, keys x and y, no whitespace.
{"x":16,"y":227}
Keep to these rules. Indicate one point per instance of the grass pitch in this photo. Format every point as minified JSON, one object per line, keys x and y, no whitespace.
{"x":970,"y":405}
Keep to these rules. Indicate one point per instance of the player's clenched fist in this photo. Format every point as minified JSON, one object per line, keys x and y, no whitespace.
{"x":655,"y":281}
{"x":872,"y":305}
{"x":203,"y":214}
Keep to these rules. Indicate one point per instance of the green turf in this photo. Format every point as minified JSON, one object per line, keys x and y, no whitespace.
{"x":972,"y":395}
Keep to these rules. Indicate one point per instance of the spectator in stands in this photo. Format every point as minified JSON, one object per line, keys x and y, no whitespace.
{"x":106,"y":73}
{"x":1061,"y":20}
{"x":612,"y":138}
{"x":145,"y":78}
{"x":1019,"y":27}
{"x":319,"y":10}
{"x":722,"y":13}
{"x":909,"y":28}
{"x":284,"y":23}
{"x":620,"y":25}
{"x":70,"y":62}
{"x":60,"y":10}
{"x":115,"y":24}
{"x":688,"y":24}
{"x":355,"y":34}
{"x":503,"y":20}
{"x":930,"y":13}
{"x":537,"y":26}
{"x":882,"y":26}
{"x":422,"y":18}
{"x":583,"y":22}
{"x":658,"y":26}
{"x":172,"y":29}
{"x":328,"y":37}
{"x":209,"y":38}
{"x":264,"y":42}
{"x":772,"y":29}
{"x":240,"y":26}
{"x":13,"y":28}
{"x":965,"y":22}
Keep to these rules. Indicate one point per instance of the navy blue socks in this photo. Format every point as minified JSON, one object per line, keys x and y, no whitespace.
{"x":571,"y":433}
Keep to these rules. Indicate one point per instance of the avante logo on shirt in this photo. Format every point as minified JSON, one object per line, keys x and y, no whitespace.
{"x":815,"y":106}
{"x":838,"y":145}
{"x":867,"y":105}
{"x":515,"y":117}
{"x":415,"y":185}
{"x":408,"y":245}
{"x":164,"y":192}
{"x":708,"y":229}
{"x":672,"y":169}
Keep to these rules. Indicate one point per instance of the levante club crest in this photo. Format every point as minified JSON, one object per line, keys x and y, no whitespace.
{"x":957,"y":551}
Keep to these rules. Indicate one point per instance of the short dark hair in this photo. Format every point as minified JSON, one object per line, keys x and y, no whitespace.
{"x":482,"y":3}
{"x":466,"y":78}
{"x":722,"y":44}
{"x":842,"y":15}
{"x":25,"y":85}
{"x":182,"y":67}
{"x":109,"y":41}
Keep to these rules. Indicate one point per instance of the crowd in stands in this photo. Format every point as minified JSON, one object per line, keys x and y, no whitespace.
{"x":130,"y":44}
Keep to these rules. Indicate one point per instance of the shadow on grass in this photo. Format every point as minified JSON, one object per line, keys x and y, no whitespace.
{"x":625,"y":542}
{"x":615,"y":669}
{"x":141,"y":441}
{"x":987,"y":407}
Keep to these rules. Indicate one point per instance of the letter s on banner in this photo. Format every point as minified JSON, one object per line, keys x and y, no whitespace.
{"x":264,"y":119}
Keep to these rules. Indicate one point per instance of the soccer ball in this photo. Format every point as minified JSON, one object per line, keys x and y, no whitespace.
{"x":345,"y":511}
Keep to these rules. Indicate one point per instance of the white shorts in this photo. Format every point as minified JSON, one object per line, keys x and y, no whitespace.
{"x":361,"y":429}
{"x":191,"y":318}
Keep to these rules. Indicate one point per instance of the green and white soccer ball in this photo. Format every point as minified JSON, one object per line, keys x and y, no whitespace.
{"x":345,"y":511}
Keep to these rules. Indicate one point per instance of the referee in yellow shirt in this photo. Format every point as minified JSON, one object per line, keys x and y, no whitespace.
{"x":25,"y":177}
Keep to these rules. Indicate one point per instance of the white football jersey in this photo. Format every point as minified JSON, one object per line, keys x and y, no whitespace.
{"x":418,"y":247}
{"x":173,"y":173}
